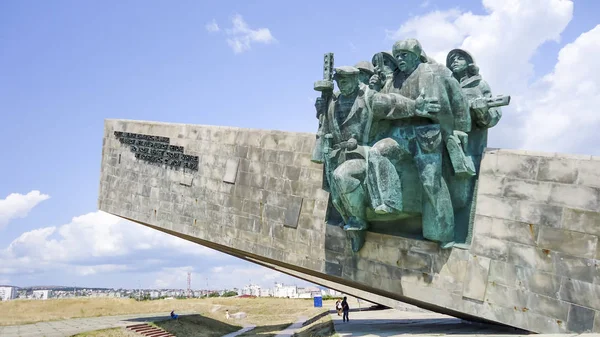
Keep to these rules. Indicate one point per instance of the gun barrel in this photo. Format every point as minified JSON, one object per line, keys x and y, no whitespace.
{"x":498,"y":101}
{"x":328,"y":67}
{"x":380,"y":64}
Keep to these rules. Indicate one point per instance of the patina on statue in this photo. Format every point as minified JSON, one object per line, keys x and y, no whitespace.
{"x":398,"y":148}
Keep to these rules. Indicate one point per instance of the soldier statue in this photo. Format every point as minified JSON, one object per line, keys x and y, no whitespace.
{"x":485,"y":111}
{"x":401,"y":146}
{"x":424,"y":110}
{"x":346,"y":129}
{"x":366,"y":71}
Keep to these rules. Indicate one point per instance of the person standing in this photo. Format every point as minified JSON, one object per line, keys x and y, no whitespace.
{"x":345,"y":309}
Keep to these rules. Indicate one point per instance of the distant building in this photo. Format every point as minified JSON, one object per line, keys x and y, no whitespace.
{"x":252,"y":289}
{"x":309,"y":292}
{"x":330,"y":292}
{"x":266,"y":293}
{"x":285,"y":291}
{"x":41,"y":294}
{"x":7,"y":293}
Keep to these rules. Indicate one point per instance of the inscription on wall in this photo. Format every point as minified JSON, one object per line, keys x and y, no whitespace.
{"x":157,"y":150}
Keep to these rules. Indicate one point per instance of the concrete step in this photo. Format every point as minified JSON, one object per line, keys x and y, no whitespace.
{"x":148,"y":330}
{"x":136,"y":325}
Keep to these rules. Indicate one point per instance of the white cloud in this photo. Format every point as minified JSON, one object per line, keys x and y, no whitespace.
{"x":503,"y":42}
{"x":174,"y":278}
{"x":212,"y":26}
{"x":98,"y":243}
{"x":220,"y":277}
{"x":102,"y":268}
{"x":90,"y":240}
{"x":241,"y":36}
{"x":17,"y":205}
{"x":561,"y":111}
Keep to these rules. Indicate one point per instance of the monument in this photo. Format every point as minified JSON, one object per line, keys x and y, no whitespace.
{"x":404,"y":148}
{"x":397,"y":198}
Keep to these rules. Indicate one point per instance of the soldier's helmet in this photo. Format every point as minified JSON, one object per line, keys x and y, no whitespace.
{"x":365,"y":66}
{"x":427,"y":59}
{"x":410,"y":45}
{"x":459,"y":52}
{"x":345,"y":71}
{"x":386,"y":55}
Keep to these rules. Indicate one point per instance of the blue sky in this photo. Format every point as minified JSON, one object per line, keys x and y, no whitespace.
{"x":65,"y":66}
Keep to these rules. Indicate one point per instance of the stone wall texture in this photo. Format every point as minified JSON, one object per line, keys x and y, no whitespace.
{"x":533,"y":262}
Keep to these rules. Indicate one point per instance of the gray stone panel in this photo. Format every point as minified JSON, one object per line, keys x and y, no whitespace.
{"x":581,"y":293}
{"x":517,"y":166}
{"x":542,"y":283}
{"x":580,"y":319}
{"x":530,"y":257}
{"x":527,"y":190}
{"x":574,"y":196}
{"x":292,"y":212}
{"x":505,"y":296}
{"x":569,"y":242}
{"x":548,"y":306}
{"x":578,"y":268}
{"x":531,"y":264}
{"x":490,"y":247}
{"x":414,"y":261}
{"x":589,"y":173}
{"x":503,"y":273}
{"x":476,"y":280}
{"x":231,"y":168}
{"x":581,"y":221}
{"x":558,"y":170}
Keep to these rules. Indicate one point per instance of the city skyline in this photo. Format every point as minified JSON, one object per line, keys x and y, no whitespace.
{"x":68,"y":65}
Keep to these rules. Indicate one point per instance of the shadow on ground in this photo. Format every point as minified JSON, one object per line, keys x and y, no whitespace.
{"x":147,"y":319}
{"x":322,"y":329}
{"x":429,"y":326}
{"x":265,"y":330}
{"x":196,"y":326}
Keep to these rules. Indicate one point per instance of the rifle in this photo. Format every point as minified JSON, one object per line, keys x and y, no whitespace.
{"x":498,"y":101}
{"x":379,"y":68}
{"x":325,"y":86}
{"x":463,"y":165}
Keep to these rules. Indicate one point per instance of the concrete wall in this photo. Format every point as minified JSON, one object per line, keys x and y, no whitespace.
{"x":534,"y":230}
{"x":535,"y":246}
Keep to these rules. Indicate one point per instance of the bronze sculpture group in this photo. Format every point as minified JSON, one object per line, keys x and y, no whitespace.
{"x":402,"y":138}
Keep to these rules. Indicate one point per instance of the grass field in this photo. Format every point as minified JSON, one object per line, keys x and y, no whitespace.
{"x":198,"y":326}
{"x":259,"y":311}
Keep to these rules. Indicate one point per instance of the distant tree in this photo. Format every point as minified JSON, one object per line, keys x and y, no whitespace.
{"x":229,"y":293}
{"x":215,"y":294}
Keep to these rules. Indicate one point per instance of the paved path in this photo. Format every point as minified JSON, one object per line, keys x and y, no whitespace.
{"x":289,"y":331}
{"x":246,"y":328}
{"x":392,"y":322}
{"x":74,"y":326}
